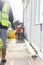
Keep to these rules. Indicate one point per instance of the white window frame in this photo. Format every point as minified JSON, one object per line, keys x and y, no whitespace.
{"x":38,"y":4}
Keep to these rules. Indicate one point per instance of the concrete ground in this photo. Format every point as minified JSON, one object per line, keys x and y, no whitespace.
{"x":36,"y":61}
{"x":18,"y":54}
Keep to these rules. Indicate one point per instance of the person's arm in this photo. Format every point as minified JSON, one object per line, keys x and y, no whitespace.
{"x":11,"y":18}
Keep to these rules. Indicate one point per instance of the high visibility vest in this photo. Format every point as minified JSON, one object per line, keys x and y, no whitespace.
{"x":0,"y":16}
{"x":4,"y":17}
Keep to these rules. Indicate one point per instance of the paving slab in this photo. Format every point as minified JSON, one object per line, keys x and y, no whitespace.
{"x":17,"y":53}
{"x":36,"y":61}
{"x":17,"y":62}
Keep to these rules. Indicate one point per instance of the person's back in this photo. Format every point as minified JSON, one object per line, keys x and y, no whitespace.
{"x":10,"y":14}
{"x":20,"y":28}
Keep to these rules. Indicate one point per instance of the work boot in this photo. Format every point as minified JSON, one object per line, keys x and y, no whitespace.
{"x":3,"y":55}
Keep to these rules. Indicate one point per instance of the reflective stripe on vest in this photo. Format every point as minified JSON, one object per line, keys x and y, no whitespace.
{"x":5,"y":16}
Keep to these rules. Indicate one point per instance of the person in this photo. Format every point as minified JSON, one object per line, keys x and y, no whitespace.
{"x":6,"y":15}
{"x":20,"y":31}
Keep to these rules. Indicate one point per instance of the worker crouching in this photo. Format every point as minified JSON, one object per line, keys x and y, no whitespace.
{"x":20,"y":31}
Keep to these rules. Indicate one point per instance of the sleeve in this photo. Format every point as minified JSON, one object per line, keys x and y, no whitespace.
{"x":11,"y":18}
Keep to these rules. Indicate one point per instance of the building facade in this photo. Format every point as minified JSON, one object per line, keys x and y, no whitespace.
{"x":33,"y":22}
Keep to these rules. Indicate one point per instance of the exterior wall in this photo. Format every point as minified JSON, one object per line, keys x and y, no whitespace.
{"x":42,"y":40}
{"x":27,"y":19}
{"x":32,"y":30}
{"x":25,"y":24}
{"x":35,"y":30}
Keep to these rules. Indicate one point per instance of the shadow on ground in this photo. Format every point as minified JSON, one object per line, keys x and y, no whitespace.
{"x":19,"y":41}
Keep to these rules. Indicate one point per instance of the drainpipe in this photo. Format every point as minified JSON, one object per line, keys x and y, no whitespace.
{"x":23,"y":10}
{"x":31,"y":21}
{"x":41,"y":49}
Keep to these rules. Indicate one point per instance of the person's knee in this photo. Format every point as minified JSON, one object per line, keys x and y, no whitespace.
{"x":3,"y":46}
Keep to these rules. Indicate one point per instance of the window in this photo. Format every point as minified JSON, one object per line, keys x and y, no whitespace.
{"x":41,"y":11}
{"x":37,"y":10}
{"x":38,"y":7}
